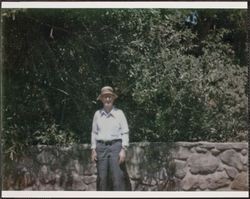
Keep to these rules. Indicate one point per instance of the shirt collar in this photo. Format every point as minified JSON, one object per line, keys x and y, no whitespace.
{"x":111,"y":113}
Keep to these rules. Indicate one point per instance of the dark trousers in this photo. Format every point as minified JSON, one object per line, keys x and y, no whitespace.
{"x":110,"y":173}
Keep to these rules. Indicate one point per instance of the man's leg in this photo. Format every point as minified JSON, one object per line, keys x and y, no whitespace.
{"x":102,"y":167}
{"x":116,"y":172}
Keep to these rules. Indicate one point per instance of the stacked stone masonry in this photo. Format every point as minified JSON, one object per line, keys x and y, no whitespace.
{"x":180,"y":166}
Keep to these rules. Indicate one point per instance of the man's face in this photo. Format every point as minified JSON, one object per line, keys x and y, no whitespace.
{"x":107,"y":101}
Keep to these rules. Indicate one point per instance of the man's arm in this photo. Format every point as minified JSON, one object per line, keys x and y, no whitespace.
{"x":93,"y":138}
{"x":125,"y":137}
{"x":125,"y":131}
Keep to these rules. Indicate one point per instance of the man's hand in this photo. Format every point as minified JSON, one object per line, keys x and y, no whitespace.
{"x":93,"y":155}
{"x":122,"y":156}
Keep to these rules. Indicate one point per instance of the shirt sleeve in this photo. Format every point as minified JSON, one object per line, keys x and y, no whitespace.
{"x":94,"y":131}
{"x":124,"y":130}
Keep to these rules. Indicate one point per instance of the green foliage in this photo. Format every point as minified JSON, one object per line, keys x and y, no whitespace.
{"x":175,"y":80}
{"x":53,"y":136}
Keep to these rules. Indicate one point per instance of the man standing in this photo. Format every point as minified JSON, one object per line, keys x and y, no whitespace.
{"x":109,"y":142}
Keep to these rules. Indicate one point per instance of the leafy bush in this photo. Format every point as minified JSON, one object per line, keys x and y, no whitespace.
{"x":177,"y":78}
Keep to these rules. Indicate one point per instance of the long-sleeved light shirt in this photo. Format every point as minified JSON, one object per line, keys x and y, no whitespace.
{"x":109,"y":126}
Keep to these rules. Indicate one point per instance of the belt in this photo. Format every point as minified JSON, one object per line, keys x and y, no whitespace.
{"x":109,"y":142}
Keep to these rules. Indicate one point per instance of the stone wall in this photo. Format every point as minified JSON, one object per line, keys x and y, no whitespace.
{"x":180,"y":166}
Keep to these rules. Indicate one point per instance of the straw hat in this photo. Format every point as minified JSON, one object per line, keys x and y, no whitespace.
{"x":107,"y":90}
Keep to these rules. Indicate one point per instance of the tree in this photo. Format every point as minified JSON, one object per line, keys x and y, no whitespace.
{"x":177,"y":78}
